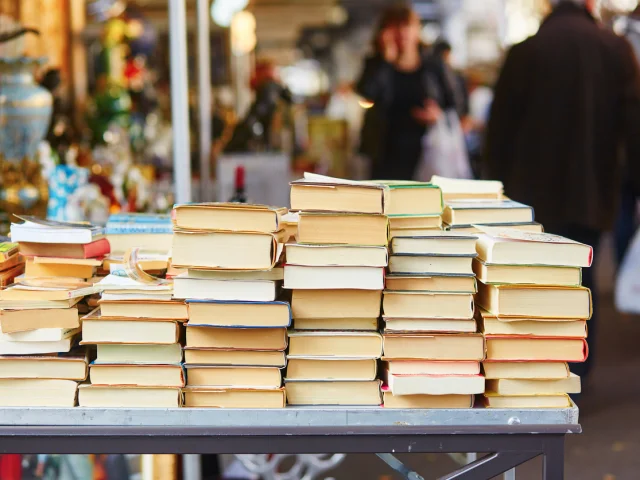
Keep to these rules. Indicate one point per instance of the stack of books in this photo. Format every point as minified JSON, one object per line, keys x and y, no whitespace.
{"x":150,"y":232}
{"x":236,"y":334}
{"x":11,"y":263}
{"x":137,"y":330}
{"x":481,"y":202}
{"x":336,"y":272}
{"x":59,"y":249}
{"x":39,"y":320}
{"x":432,"y":350}
{"x":533,"y":314}
{"x":413,"y":208}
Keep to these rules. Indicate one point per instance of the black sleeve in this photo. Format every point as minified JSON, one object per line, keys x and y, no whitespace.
{"x":375,"y":80}
{"x":504,"y":119}
{"x":630,"y":104}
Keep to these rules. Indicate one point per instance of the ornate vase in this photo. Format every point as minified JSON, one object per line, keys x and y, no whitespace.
{"x":25,"y":113}
{"x":25,"y":109}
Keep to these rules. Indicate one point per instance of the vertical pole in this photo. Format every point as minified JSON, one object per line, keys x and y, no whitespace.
{"x":180,"y":100}
{"x":204,"y":90}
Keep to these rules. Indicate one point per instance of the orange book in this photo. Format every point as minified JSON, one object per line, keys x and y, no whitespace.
{"x":540,"y":349}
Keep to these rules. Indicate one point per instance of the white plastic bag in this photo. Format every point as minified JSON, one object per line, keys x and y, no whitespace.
{"x":444,"y":152}
{"x":627,"y":294}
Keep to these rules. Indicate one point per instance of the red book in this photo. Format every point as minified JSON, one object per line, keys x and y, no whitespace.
{"x":96,"y":249}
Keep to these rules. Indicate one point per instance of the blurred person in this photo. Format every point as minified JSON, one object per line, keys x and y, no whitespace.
{"x":566,"y":100}
{"x":398,"y":81}
{"x":626,"y":223}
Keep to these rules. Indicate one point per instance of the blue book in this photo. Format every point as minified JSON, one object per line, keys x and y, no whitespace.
{"x":130,"y":223}
{"x":234,"y":314}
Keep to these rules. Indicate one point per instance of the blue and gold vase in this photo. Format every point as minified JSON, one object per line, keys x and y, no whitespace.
{"x":25,"y":113}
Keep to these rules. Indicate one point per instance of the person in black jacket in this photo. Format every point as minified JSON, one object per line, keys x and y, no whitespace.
{"x":566,"y":100}
{"x":399,"y":81}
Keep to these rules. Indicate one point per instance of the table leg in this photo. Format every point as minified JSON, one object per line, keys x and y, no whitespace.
{"x":553,"y":465}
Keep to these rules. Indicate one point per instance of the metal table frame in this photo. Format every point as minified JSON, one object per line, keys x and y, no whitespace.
{"x":510,"y":437}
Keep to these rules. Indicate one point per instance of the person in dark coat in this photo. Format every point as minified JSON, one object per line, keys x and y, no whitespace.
{"x":564,"y":123}
{"x":399,"y":80}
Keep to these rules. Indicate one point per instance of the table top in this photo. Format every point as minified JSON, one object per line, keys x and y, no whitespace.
{"x":290,"y":417}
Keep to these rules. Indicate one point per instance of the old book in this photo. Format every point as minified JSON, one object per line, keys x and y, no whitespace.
{"x":273,"y":275}
{"x":336,"y":324}
{"x":431,"y":325}
{"x":239,"y":314}
{"x":536,"y":349}
{"x":336,"y":255}
{"x":23,"y":320}
{"x":332,"y":368}
{"x":535,"y":301}
{"x":492,"y":400}
{"x":185,"y":287}
{"x":71,"y":366}
{"x":470,"y":212}
{"x":236,"y":217}
{"x":237,"y":338}
{"x":491,"y":325}
{"x":431,"y":283}
{"x":133,"y":223}
{"x":333,"y":393}
{"x":151,"y":354}
{"x":430,"y":367}
{"x":95,"y":249}
{"x":39,"y":335}
{"x":129,"y":332}
{"x":37,"y":348}
{"x":200,"y":356}
{"x":7,"y":277}
{"x":8,"y":251}
{"x":35,"y":229}
{"x":147,"y":309}
{"x":233,"y":376}
{"x":298,"y":277}
{"x":531,"y":386}
{"x":149,"y":262}
{"x":12,"y":261}
{"x":343,"y":229}
{"x":226,"y":250}
{"x":515,"y":247}
{"x":203,"y":397}
{"x":36,"y":267}
{"x":26,"y":292}
{"x":476,"y":229}
{"x":461,"y":189}
{"x":326,"y":194}
{"x":424,"y":223}
{"x":437,"y":243}
{"x":412,"y":231}
{"x":335,"y":303}
{"x":137,"y":375}
{"x":117,"y":396}
{"x":460,"y":346}
{"x":527,"y":369}
{"x":412,"y":198}
{"x":148,"y":242}
{"x":410,"y":263}
{"x":427,"y":305}
{"x":336,"y":344}
{"x":37,"y":392}
{"x":529,"y":275}
{"x":434,"y":384}
{"x":426,"y":401}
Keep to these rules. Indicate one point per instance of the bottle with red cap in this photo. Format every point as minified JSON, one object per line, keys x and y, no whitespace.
{"x":239,"y":195}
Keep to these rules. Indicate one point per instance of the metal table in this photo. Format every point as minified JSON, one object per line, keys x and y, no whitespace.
{"x":510,"y":437}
